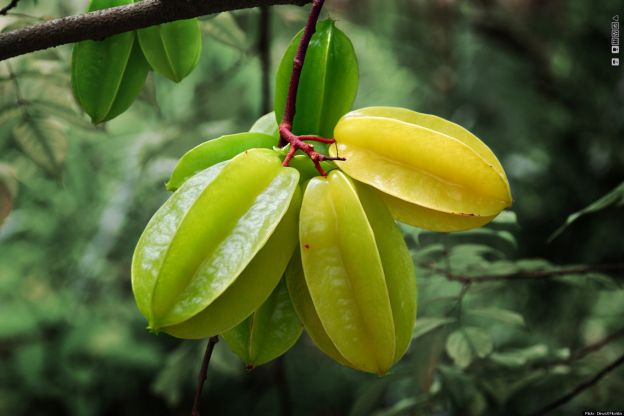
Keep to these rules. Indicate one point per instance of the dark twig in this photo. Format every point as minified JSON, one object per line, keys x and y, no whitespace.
{"x":104,"y":23}
{"x":264,"y":50}
{"x":281,"y":382}
{"x":581,"y":387}
{"x":285,"y":128}
{"x":530,"y":274}
{"x":596,"y":346}
{"x":8,"y":7}
{"x":203,"y":373}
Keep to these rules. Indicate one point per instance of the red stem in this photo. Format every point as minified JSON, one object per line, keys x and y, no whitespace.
{"x":285,"y":128}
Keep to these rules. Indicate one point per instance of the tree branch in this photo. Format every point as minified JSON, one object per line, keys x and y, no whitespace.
{"x":596,"y":346}
{"x":529,"y":274}
{"x":104,"y":23}
{"x":8,"y":7}
{"x":581,"y":387}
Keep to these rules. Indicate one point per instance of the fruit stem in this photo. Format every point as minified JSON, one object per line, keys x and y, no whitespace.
{"x":203,"y":373}
{"x":285,"y":127}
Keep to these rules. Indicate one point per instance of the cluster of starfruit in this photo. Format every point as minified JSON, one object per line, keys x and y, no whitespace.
{"x":255,"y":251}
{"x":108,"y":75}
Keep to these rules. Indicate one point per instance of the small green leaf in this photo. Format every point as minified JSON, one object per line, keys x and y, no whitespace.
{"x":425,"y":325}
{"x":495,"y":314}
{"x":465,"y":344}
{"x":613,"y":198}
{"x":43,"y":141}
{"x":225,"y":29}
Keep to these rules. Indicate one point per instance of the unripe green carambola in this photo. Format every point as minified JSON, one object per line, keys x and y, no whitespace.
{"x":328,"y":83}
{"x":358,"y":296}
{"x":214,"y":151}
{"x":172,"y":49}
{"x":268,"y":333}
{"x":108,"y":75}
{"x":431,"y":172}
{"x":214,"y":252}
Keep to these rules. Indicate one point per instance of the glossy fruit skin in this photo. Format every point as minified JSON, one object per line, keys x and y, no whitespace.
{"x":268,"y":333}
{"x":266,"y":124}
{"x":172,"y":49}
{"x":433,"y":173}
{"x":358,"y":274}
{"x":108,"y":75}
{"x":214,"y":151}
{"x":202,"y":243}
{"x":328,"y":83}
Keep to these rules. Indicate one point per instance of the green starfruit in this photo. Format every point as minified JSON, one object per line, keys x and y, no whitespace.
{"x":213,"y":252}
{"x":328,"y":83}
{"x":172,"y":49}
{"x":431,"y":172}
{"x":267,"y":333}
{"x":358,"y":274}
{"x":214,"y":151}
{"x":108,"y":75}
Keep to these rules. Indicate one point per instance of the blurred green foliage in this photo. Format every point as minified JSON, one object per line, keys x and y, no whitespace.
{"x":532,"y":79}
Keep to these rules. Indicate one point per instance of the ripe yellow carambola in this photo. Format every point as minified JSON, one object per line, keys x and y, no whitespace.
{"x":356,"y":296}
{"x":214,"y":252}
{"x":431,"y":172}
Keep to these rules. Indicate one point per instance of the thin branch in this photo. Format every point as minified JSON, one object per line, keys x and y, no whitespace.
{"x":281,"y":382}
{"x":101,"y":24}
{"x":529,"y":274}
{"x":10,"y":6}
{"x":203,"y":373}
{"x":293,"y":87}
{"x":596,"y":346}
{"x":285,"y":127}
{"x":581,"y":387}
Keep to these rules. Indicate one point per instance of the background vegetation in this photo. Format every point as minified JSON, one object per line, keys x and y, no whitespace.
{"x":531,"y":78}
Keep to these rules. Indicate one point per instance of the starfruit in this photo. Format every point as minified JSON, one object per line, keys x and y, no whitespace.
{"x":172,"y":49}
{"x":108,"y":75}
{"x":214,"y":151}
{"x":432,"y":173}
{"x":328,"y":83}
{"x":214,"y":252}
{"x":268,"y":333}
{"x":357,"y":294}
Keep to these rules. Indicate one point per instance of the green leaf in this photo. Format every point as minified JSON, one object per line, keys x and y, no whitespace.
{"x":519,"y":357}
{"x":613,"y":198}
{"x":329,"y":81}
{"x":8,"y":190}
{"x":43,"y":141}
{"x":465,"y":344}
{"x":496,"y":314}
{"x":425,"y":325}
{"x":225,"y":29}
